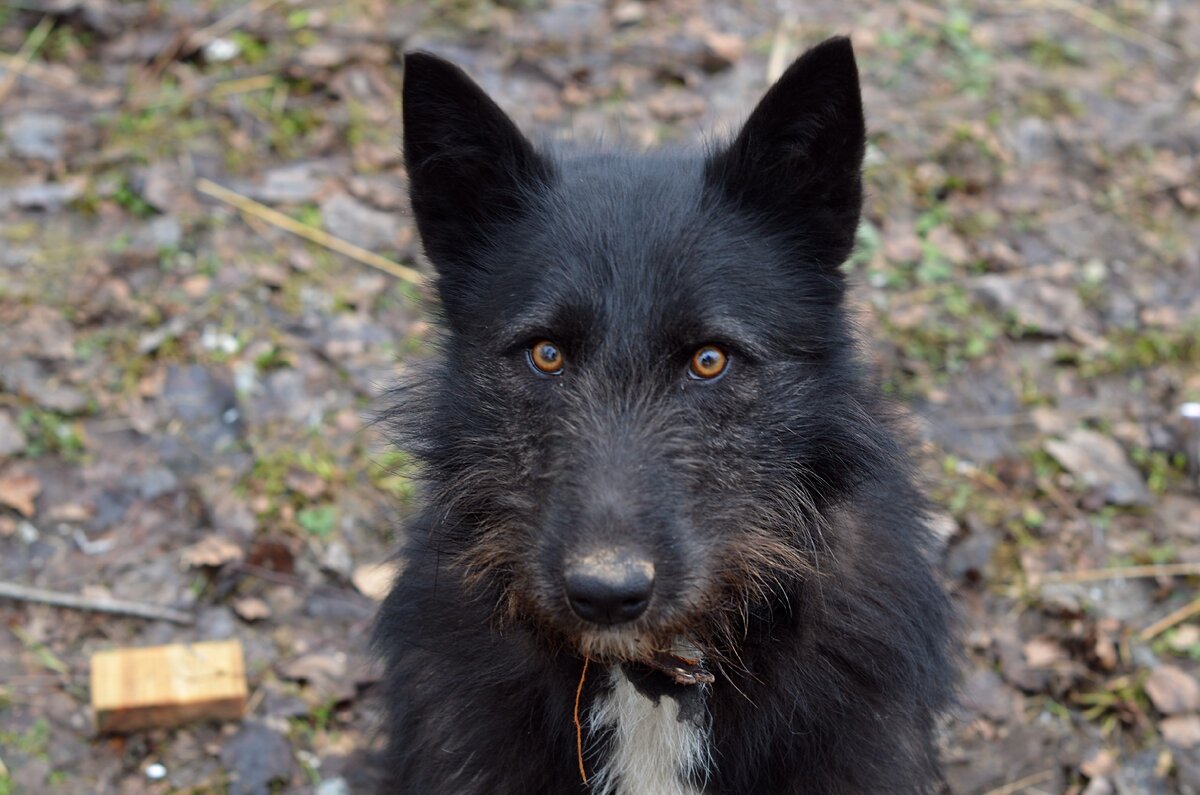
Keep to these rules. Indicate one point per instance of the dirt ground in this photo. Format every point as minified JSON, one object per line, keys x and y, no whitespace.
{"x":185,"y":387}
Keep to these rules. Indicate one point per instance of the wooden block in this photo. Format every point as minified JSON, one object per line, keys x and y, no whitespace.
{"x":168,"y":685}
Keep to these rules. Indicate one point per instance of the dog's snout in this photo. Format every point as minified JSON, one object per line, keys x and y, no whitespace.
{"x":610,"y":587}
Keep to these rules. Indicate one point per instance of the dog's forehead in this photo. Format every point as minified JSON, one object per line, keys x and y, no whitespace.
{"x":630,"y":234}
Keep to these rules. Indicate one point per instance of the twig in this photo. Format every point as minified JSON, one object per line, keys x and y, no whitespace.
{"x":20,"y":62}
{"x":781,"y":44}
{"x":578,"y":725}
{"x":21,"y":593}
{"x":318,"y":236}
{"x":1127,"y":572}
{"x":1101,"y":21}
{"x":1020,"y":784}
{"x":1171,"y":619}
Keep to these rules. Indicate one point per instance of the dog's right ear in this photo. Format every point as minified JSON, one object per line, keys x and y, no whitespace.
{"x":469,"y":167}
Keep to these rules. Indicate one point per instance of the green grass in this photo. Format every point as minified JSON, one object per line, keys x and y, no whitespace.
{"x":50,"y":433}
{"x":320,"y":521}
{"x":32,"y":742}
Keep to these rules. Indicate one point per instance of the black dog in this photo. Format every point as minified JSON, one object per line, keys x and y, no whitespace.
{"x":658,"y":474}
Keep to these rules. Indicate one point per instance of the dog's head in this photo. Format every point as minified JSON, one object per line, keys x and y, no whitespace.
{"x":644,"y":401}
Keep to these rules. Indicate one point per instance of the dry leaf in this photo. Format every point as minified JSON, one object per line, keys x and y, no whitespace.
{"x":1098,"y":763}
{"x":1182,"y":731}
{"x":1043,"y":653}
{"x":18,"y":491}
{"x":1173,"y":691}
{"x":374,"y":580}
{"x":251,"y":608}
{"x":211,"y":551}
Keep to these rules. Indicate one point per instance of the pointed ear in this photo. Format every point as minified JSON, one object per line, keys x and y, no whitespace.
{"x":468,"y":165}
{"x":797,"y":162}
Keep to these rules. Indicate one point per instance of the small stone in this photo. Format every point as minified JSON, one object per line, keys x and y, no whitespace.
{"x":1098,"y":462}
{"x":259,"y":759}
{"x":1037,"y":305}
{"x":985,"y":693}
{"x":629,"y":12}
{"x":36,"y":136}
{"x":12,"y":440}
{"x":47,"y":196}
{"x":371,"y":229}
{"x":221,"y":50}
{"x":1173,"y":691}
{"x":336,"y":558}
{"x":156,"y":772}
{"x":333,"y":786}
{"x":292,"y":184}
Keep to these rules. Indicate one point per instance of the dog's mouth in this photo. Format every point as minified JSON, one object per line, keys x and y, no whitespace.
{"x":678,"y":662}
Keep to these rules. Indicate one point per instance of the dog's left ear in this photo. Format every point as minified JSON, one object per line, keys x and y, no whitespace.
{"x":797,"y":162}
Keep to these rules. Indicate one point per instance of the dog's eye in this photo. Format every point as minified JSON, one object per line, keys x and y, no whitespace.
{"x":546,"y":358}
{"x":708,"y":363}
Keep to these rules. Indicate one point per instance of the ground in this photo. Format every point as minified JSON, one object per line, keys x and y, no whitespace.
{"x":186,"y":388}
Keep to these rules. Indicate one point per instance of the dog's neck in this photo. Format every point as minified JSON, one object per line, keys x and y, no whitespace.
{"x":659,"y":732}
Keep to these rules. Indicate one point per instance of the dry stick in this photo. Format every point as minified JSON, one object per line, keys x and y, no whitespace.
{"x":21,"y":593}
{"x":320,"y":237}
{"x":1128,"y":572}
{"x":16,"y":67}
{"x":578,"y":725}
{"x":1171,"y":619}
{"x":1020,"y":784}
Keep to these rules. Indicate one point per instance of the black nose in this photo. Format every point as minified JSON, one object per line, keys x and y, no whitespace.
{"x":609,"y":587}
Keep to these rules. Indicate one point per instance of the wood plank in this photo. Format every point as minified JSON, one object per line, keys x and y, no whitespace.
{"x":139,"y":688}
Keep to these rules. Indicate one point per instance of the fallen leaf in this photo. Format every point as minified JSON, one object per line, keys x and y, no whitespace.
{"x":72,"y":512}
{"x":18,"y":490}
{"x":1183,"y":638}
{"x":305,"y":483}
{"x":722,"y":49}
{"x":1043,"y":653}
{"x":1173,"y":691}
{"x":1097,"y":763}
{"x":374,"y":580}
{"x":251,"y":608}
{"x":211,"y":551}
{"x":1182,"y":731}
{"x":325,"y":672}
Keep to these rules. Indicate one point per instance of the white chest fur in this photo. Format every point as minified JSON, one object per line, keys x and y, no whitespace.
{"x":653,"y":752}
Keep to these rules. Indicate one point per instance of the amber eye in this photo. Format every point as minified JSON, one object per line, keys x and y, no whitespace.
{"x":546,"y":357}
{"x":708,"y":363}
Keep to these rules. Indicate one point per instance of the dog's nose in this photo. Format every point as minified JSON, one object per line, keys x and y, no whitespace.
{"x":609,"y":587}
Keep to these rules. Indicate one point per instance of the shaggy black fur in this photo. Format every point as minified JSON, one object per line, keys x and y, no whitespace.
{"x":788,"y":540}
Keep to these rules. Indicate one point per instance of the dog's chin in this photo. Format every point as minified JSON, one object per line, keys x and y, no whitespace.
{"x":616,"y":645}
{"x":631,"y":645}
